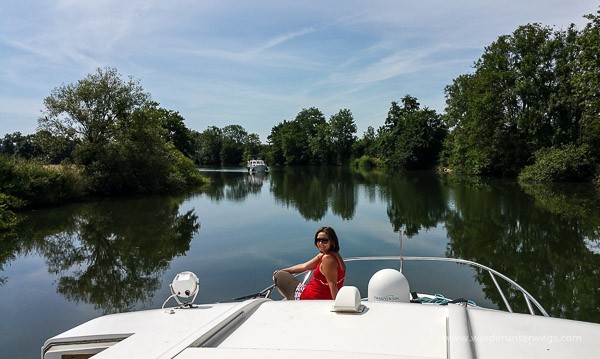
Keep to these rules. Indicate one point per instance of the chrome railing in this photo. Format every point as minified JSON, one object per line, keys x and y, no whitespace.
{"x":529,"y":299}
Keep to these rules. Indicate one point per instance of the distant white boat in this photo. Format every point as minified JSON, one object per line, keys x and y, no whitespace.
{"x":391,"y":323}
{"x":256,"y":165}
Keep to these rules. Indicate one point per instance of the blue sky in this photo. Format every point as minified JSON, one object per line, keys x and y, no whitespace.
{"x":256,"y":63}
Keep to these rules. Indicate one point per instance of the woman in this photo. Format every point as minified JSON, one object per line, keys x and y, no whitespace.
{"x":329,"y":271}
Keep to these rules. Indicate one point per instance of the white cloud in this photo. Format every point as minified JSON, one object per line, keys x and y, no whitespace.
{"x":257,"y":63}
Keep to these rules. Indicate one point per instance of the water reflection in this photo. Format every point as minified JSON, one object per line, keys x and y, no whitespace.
{"x":9,"y":247}
{"x":544,"y":237}
{"x":312,"y":191}
{"x":110,"y":253}
{"x":513,"y":231}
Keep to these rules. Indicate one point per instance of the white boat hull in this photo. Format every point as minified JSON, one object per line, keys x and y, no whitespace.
{"x":262,"y":327}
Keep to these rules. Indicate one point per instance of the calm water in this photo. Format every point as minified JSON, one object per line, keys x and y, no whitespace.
{"x":76,"y":262}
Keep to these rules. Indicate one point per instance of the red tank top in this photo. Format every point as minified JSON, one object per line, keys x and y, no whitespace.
{"x":317,"y":287}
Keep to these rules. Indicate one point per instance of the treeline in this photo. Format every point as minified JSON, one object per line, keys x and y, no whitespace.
{"x":530,"y":108}
{"x":100,"y":136}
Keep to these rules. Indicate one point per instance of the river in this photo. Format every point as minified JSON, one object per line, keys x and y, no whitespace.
{"x":75,"y":262}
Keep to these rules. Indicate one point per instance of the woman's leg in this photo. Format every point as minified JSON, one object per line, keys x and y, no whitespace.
{"x":286,"y":284}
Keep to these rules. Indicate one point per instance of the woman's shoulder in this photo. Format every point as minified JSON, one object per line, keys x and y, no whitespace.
{"x":331,"y":257}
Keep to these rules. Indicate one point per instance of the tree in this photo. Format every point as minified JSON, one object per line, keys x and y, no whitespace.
{"x":94,"y":109}
{"x":176,"y":131}
{"x":310,"y":132}
{"x":16,"y":144}
{"x":530,"y":91}
{"x":342,"y":128}
{"x":208,"y":144}
{"x":366,"y":145}
{"x":125,"y":143}
{"x":587,"y":82}
{"x":303,"y":141}
{"x":232,"y":150}
{"x":411,"y":137}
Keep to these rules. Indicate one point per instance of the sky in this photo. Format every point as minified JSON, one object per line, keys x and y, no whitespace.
{"x":256,"y":63}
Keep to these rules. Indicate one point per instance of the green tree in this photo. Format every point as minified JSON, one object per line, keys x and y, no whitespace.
{"x":208,"y":145}
{"x":232,"y":150}
{"x":176,"y":131}
{"x":366,"y":145}
{"x":303,"y":141}
{"x":275,"y":141}
{"x":311,"y":130}
{"x":125,"y":142}
{"x":94,"y":109}
{"x":343,"y":129}
{"x":411,"y":137}
{"x":587,"y":82}
{"x":527,"y":93}
{"x":141,"y":161}
{"x":16,"y":144}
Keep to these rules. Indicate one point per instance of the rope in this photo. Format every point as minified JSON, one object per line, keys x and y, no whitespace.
{"x":442,"y":300}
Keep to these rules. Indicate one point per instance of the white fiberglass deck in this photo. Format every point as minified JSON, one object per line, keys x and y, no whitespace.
{"x":298,"y":329}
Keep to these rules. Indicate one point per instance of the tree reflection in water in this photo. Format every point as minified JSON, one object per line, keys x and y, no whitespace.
{"x":537,"y":237}
{"x":111,"y":253}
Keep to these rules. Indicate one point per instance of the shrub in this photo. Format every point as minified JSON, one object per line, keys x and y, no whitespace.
{"x":39,"y":185}
{"x":569,"y":163}
{"x":366,"y":162}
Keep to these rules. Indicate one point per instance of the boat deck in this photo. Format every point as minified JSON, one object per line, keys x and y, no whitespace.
{"x":297,"y":329}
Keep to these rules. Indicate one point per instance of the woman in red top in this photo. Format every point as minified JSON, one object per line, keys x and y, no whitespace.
{"x":329,"y":271}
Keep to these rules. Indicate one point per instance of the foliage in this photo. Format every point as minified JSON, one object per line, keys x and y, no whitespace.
{"x":342,"y":131}
{"x":16,"y":144}
{"x":411,"y":137}
{"x":175,"y":130}
{"x":94,"y":109}
{"x":233,"y":141}
{"x":40,"y":185}
{"x":366,"y":145}
{"x":533,"y":90}
{"x":311,"y":140}
{"x":569,"y":163}
{"x":366,"y":162}
{"x":231,"y":145}
{"x":139,"y":160}
{"x":587,"y":82}
{"x":208,"y":146}
{"x":123,"y":141}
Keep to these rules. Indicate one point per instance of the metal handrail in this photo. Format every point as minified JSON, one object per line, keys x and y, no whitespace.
{"x":528,"y":297}
{"x":265,"y":293}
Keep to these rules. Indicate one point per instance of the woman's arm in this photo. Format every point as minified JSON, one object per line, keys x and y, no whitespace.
{"x":303,"y":267}
{"x":329,"y":270}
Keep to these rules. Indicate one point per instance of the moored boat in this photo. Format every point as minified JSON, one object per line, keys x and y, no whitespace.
{"x":256,"y":165}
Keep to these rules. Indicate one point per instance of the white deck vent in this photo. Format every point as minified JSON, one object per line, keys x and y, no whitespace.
{"x":347,"y":301}
{"x":389,"y":285}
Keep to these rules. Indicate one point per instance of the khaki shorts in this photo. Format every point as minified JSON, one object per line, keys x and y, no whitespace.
{"x":286,"y":283}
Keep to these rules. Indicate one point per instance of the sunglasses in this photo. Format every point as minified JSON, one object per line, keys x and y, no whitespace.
{"x":323,"y":240}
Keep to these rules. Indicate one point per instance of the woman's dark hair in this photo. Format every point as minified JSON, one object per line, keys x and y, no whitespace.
{"x":335,"y":244}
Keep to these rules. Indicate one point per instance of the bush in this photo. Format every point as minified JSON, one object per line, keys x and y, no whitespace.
{"x":366,"y":162}
{"x":569,"y":163}
{"x":40,"y":185}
